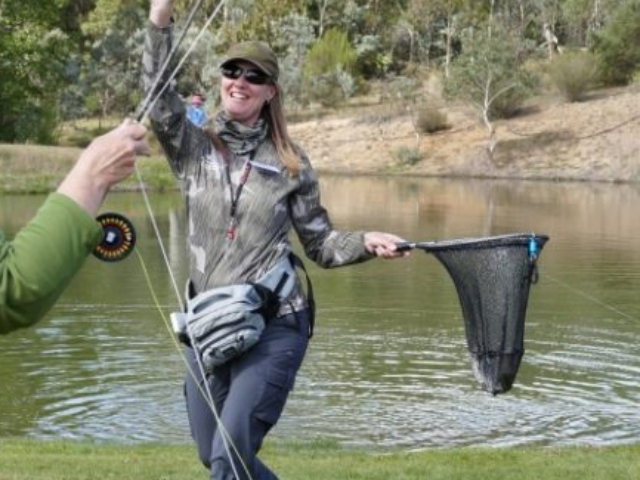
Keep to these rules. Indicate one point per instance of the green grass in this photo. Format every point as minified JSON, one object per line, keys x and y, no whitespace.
{"x":40,"y":169}
{"x":61,"y":460}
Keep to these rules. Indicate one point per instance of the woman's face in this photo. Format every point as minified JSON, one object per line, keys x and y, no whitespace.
{"x":243,"y":100}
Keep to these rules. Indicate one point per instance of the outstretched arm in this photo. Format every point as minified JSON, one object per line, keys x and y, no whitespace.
{"x":39,"y":263}
{"x":180,"y":139}
{"x":324,"y":244}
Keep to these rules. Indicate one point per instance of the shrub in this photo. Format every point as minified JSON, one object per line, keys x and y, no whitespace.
{"x":330,"y":51}
{"x":431,"y":119}
{"x":330,"y":89}
{"x":37,"y":122}
{"x":407,"y":155}
{"x":510,"y":102}
{"x":328,"y":72}
{"x":573,"y":74}
{"x":373,"y":60}
{"x":617,"y":47}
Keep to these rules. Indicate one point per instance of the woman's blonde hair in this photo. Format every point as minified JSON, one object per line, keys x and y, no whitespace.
{"x":285,"y":147}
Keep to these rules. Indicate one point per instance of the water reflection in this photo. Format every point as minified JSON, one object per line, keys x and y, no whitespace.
{"x":388,"y":365}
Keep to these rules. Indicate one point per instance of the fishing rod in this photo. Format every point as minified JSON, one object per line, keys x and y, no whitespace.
{"x":120,"y":234}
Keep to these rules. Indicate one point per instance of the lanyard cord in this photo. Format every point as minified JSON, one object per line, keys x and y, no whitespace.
{"x":234,"y":197}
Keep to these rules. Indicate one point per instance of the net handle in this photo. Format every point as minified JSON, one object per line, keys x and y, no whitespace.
{"x":531,"y":240}
{"x":407,"y":246}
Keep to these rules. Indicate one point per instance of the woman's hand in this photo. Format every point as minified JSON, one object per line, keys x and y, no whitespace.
{"x":383,"y":244}
{"x":160,"y":12}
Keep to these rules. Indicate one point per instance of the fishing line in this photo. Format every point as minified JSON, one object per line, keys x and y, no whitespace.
{"x":146,"y":106}
{"x":206,"y":394}
{"x":159,"y":237}
{"x":144,"y":112}
{"x":591,"y":297}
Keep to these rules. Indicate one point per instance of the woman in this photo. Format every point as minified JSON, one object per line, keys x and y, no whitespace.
{"x":246,"y":186}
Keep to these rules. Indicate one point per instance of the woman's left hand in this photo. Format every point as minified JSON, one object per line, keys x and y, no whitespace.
{"x":383,"y":245}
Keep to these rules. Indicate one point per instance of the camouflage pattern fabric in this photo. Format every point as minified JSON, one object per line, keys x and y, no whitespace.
{"x":271,"y":205}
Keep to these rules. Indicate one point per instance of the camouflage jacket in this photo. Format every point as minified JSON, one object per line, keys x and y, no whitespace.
{"x":271,"y":204}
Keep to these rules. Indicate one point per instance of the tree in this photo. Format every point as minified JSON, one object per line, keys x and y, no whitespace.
{"x":328,"y":71}
{"x":585,"y":18}
{"x":490,"y":76}
{"x":617,"y":47}
{"x":446,"y":15}
{"x":295,"y":35}
{"x":254,"y":18}
{"x":415,"y":32}
{"x":111,"y":68}
{"x":33,"y":50}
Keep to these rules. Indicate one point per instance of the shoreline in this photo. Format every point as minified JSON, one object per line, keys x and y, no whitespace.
{"x":550,"y":140}
{"x":157,"y":176}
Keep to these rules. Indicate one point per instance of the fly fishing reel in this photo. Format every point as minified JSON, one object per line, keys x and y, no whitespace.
{"x":118,"y":240}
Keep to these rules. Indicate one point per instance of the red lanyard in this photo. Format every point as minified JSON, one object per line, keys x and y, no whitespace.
{"x":234,"y":197}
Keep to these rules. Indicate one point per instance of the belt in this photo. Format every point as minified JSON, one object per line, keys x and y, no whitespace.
{"x":292,"y":319}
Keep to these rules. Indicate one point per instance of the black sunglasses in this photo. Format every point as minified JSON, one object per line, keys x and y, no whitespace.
{"x":251,"y":75}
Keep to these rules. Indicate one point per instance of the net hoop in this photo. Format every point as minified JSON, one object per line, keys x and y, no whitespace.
{"x":513,"y":239}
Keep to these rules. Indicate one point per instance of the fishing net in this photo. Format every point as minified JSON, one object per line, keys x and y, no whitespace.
{"x":492,"y":276}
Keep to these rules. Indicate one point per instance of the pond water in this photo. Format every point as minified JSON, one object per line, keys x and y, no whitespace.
{"x":388,"y":366}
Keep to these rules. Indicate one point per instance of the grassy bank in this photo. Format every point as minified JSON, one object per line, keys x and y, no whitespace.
{"x":37,"y":460}
{"x":40,"y":169}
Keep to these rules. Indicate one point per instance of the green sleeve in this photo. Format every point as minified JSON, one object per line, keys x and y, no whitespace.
{"x":39,"y":263}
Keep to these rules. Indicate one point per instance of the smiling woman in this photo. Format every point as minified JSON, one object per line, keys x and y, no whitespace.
{"x":245,"y":88}
{"x":247,"y":185}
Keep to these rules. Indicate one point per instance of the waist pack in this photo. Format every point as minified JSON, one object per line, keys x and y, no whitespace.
{"x":224,"y":322}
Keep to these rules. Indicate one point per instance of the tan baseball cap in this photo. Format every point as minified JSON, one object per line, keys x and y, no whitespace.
{"x":257,"y":53}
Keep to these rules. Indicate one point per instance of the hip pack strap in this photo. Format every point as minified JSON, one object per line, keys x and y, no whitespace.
{"x":280,"y":279}
{"x":295,"y":260}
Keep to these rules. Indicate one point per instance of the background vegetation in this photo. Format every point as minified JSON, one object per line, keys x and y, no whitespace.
{"x":65,"y":60}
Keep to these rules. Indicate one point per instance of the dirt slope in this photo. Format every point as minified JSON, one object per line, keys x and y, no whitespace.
{"x":597,"y":139}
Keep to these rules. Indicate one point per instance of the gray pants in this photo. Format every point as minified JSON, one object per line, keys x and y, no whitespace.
{"x":249,"y":394}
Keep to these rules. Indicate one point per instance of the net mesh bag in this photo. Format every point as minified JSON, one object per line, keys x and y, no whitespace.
{"x":492,"y":276}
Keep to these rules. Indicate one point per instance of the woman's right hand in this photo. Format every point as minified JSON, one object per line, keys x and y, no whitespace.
{"x":160,"y":12}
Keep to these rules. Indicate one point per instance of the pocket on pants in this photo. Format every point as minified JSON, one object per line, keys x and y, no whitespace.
{"x":278,"y":384}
